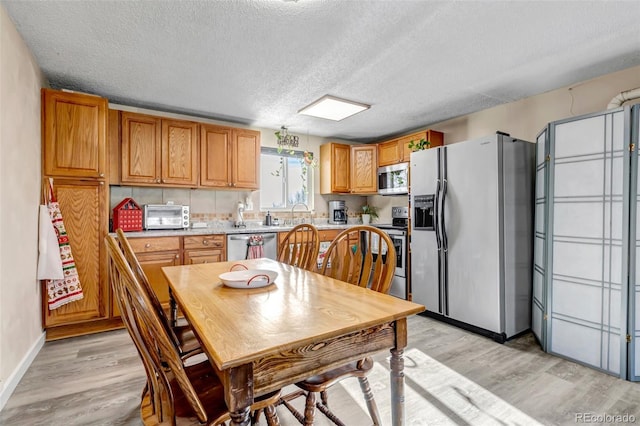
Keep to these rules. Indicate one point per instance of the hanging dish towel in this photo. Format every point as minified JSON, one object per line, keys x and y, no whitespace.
{"x":255,"y":247}
{"x":67,"y":289}
{"x":49,"y":262}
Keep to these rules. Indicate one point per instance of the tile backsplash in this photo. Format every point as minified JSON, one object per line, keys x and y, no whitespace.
{"x":212,"y":206}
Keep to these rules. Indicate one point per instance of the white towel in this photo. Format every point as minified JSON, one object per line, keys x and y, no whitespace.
{"x":49,"y":261}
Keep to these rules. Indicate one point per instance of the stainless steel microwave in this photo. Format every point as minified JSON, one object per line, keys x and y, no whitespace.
{"x":165,"y":216}
{"x":393,"y":180}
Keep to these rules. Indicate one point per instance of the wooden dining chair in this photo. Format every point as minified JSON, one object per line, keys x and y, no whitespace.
{"x":181,"y":335}
{"x":300,"y":247}
{"x":355,"y":257}
{"x":176,"y":393}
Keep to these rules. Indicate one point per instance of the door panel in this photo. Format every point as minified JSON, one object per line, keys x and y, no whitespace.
{"x":246,"y":159}
{"x":140,"y":148}
{"x":586,"y":219}
{"x":81,"y":204}
{"x":215,"y":163}
{"x":472,"y":216}
{"x":179,"y":152}
{"x":425,"y":284}
{"x":539,"y":294}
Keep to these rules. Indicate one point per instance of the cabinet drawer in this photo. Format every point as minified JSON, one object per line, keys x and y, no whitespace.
{"x":204,"y":241}
{"x":148,"y":245}
{"x":329,"y":234}
{"x":204,"y":256}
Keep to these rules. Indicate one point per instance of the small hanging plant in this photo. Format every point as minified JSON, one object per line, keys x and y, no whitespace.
{"x":420,"y":145}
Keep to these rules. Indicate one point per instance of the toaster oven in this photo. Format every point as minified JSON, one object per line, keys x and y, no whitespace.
{"x":165,"y":216}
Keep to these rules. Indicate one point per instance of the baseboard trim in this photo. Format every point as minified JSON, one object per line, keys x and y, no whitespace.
{"x":15,"y":377}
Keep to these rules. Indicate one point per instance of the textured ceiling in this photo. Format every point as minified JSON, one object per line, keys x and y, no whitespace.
{"x":258,"y":62}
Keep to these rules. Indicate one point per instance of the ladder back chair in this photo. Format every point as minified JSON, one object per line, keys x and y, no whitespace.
{"x":300,"y":247}
{"x":176,"y":393}
{"x":355,"y":257}
{"x":181,"y":335}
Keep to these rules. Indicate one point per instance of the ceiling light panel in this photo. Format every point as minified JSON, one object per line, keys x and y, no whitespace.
{"x":333,"y":108}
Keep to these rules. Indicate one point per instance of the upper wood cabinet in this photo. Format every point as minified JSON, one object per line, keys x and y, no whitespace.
{"x":74,"y":134}
{"x":335,"y":161}
{"x":397,"y":150}
{"x":158,"y":151}
{"x":364,"y":169}
{"x":230,"y":157}
{"x":435,"y":138}
{"x":389,"y":153}
{"x":348,"y":168}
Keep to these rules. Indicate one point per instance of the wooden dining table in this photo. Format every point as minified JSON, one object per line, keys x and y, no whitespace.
{"x":304,"y":323}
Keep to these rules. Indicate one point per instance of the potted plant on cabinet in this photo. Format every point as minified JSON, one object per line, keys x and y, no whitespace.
{"x":420,"y":145}
{"x":369,"y":214}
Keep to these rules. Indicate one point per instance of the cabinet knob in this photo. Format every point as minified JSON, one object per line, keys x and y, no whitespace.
{"x":205,"y":242}
{"x":229,"y":184}
{"x":147,"y":245}
{"x":157,"y":180}
{"x":101,"y":183}
{"x":177,"y":256}
{"x":101,"y":174}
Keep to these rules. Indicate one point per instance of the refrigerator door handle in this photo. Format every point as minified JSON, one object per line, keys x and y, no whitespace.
{"x":436,"y":214}
{"x":445,"y":242}
{"x":444,"y":277}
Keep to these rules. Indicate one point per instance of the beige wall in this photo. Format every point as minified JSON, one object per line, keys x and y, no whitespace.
{"x":20,"y":83}
{"x":524,"y":119}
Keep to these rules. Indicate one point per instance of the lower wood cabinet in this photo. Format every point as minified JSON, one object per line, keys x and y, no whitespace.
{"x":204,"y":249}
{"x":83,"y":204}
{"x":154,"y":254}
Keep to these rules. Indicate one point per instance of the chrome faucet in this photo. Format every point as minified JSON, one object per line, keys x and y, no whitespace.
{"x":306,"y":207}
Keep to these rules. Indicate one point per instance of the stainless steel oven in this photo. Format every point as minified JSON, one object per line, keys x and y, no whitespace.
{"x":398,"y":231}
{"x":399,"y":239}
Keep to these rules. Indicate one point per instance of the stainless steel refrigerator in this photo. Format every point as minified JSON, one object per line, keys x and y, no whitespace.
{"x":472,"y":233}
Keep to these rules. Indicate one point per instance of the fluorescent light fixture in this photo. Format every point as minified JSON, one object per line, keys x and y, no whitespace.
{"x":333,"y":108}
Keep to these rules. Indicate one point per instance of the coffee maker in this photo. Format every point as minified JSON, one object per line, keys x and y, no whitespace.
{"x":337,"y":212}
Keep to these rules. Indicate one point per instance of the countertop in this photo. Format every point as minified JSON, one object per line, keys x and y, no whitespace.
{"x":250,"y":229}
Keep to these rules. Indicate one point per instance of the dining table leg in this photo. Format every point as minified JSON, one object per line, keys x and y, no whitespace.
{"x":397,"y":387}
{"x":241,"y":417}
{"x":239,"y":394}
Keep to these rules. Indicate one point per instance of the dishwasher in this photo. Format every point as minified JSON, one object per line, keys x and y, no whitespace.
{"x":238,"y":244}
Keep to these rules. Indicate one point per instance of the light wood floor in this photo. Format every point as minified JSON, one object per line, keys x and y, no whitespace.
{"x":452,"y":377}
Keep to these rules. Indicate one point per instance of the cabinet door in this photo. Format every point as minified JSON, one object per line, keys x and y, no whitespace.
{"x":215,"y":163}
{"x":341,"y":155}
{"x":246,"y":159}
{"x":192,"y":257}
{"x":435,"y":139}
{"x":389,"y":153}
{"x":75,"y":134}
{"x":364,"y":169}
{"x":152,"y":264}
{"x":179,"y":152}
{"x":334,"y":168}
{"x":140,"y":148}
{"x":84,"y":210}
